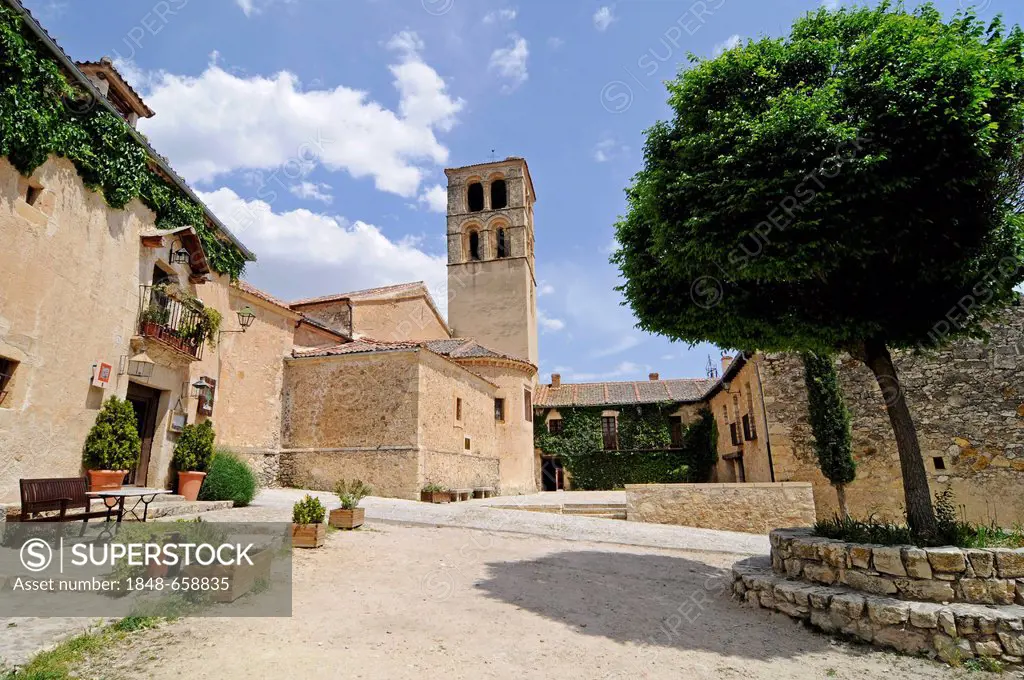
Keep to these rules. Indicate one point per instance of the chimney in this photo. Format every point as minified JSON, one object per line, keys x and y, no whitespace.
{"x":726,"y":360}
{"x":652,"y":376}
{"x":556,"y":379}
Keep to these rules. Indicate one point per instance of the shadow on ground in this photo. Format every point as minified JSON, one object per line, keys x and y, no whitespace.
{"x":650,"y":600}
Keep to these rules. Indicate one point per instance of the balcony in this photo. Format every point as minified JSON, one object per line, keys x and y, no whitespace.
{"x":178,"y":325}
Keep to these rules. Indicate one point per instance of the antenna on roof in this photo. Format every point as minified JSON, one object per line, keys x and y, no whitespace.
{"x":711,"y":369}
{"x":494,"y":156}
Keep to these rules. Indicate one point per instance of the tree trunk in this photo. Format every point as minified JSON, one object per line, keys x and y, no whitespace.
{"x":920,"y":513}
{"x":844,"y":510}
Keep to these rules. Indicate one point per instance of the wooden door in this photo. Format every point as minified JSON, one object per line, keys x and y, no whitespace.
{"x":144,"y":401}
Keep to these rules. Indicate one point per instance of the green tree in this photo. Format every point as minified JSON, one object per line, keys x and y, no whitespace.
{"x":853,"y":187}
{"x":113,"y":442}
{"x":830,"y":424}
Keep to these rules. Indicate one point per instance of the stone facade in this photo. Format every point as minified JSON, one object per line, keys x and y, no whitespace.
{"x":753,"y":508}
{"x":968,"y":405}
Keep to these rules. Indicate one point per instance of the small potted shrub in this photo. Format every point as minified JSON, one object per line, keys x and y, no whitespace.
{"x":349,"y":515}
{"x":229,"y":478}
{"x":192,"y":458}
{"x":113,"y":446}
{"x":308,"y":528}
{"x":435,"y":493}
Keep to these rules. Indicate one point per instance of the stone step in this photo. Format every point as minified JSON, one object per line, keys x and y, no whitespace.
{"x":953,"y":632}
{"x":191,"y":508}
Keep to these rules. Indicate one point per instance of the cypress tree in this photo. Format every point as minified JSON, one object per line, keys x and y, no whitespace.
{"x":830,"y":424}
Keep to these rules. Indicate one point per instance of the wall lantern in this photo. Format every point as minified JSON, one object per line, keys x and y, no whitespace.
{"x":246,"y":317}
{"x":180,"y":256}
{"x":201,"y":388}
{"x":138,"y":366}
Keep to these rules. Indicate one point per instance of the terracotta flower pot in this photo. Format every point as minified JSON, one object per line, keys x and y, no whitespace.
{"x":189,"y":484}
{"x":347,"y":519}
{"x":106,"y":480}
{"x":308,"y":535}
{"x":435,"y":496}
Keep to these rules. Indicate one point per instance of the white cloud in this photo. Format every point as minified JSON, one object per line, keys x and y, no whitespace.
{"x":556,"y":43}
{"x":830,"y":4}
{"x":608,"y":149}
{"x":549,"y":324}
{"x":625,"y":370}
{"x":253,"y":7}
{"x":304,"y":253}
{"x":603,"y":18}
{"x":510,"y":62}
{"x":218,"y":122}
{"x":315,"y":191}
{"x":501,"y":15}
{"x":627,"y":343}
{"x":545,"y":288}
{"x":732,"y":42}
{"x":435,"y":198}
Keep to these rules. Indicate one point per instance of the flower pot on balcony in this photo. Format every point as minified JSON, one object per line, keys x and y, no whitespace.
{"x":347,"y":519}
{"x":106,"y":480}
{"x":150,"y":329}
{"x":189,"y":484}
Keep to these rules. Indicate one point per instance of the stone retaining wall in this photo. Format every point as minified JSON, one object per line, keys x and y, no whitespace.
{"x":953,"y":633}
{"x":752,"y":508}
{"x":947,"y":574}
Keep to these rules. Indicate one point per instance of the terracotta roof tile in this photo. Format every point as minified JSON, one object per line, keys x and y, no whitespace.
{"x":363,"y":346}
{"x":247,"y":287}
{"x":367,"y":294}
{"x":619,"y":393}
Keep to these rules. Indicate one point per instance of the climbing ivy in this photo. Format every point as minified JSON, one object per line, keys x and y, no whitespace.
{"x":643,"y":456}
{"x":41,"y":114}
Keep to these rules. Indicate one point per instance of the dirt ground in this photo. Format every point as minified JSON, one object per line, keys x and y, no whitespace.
{"x":413,"y":602}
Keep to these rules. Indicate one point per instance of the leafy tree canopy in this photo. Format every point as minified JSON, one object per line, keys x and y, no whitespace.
{"x":856,"y":182}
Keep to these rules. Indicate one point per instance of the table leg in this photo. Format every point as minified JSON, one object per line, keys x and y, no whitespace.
{"x":120,"y":510}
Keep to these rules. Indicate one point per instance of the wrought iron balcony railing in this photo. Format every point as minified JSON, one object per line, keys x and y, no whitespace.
{"x":177,"y":325}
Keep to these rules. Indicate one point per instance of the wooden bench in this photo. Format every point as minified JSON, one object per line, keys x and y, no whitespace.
{"x":483,"y":492}
{"x":61,"y":495}
{"x":461,"y":494}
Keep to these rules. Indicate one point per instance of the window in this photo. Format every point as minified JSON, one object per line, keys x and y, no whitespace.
{"x":32,"y":194}
{"x":750,"y":410}
{"x":610,"y":432}
{"x":675,"y":424}
{"x":458,"y":409}
{"x":474,"y":245}
{"x":475,"y":197}
{"x":528,"y":405}
{"x":7,"y":367}
{"x":468,"y":443}
{"x":499,"y":195}
{"x":504,"y":243}
{"x":555,"y":426}
{"x":734,"y":434}
{"x":499,"y":410}
{"x":939,"y":462}
{"x":749,"y":433}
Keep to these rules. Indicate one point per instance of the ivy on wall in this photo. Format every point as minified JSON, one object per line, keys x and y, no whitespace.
{"x":40,"y":115}
{"x":643,"y":456}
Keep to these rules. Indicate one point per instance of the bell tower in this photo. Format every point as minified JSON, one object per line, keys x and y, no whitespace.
{"x":492,"y":287}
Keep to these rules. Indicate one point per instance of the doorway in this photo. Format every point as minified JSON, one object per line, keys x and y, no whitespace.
{"x":552,"y":474}
{"x":144,"y":401}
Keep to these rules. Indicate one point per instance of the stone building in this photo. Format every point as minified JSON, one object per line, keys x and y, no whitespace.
{"x":98,"y":301}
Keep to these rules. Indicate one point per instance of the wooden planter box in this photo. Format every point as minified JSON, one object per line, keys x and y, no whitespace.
{"x":242,"y":577}
{"x":308,"y":535}
{"x":347,"y":519}
{"x":435,"y":497}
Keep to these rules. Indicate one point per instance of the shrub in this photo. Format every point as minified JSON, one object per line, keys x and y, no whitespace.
{"x":350,"y":493}
{"x":113,"y":442}
{"x":194,"y":448}
{"x":308,"y":511}
{"x":229,"y":478}
{"x":433,"y":487}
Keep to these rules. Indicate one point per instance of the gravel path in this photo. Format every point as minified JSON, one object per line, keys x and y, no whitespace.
{"x":395,"y":602}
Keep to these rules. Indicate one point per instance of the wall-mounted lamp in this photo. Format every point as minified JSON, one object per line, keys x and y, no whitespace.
{"x":246,"y":317}
{"x":180,"y":256}
{"x":201,"y":388}
{"x":139,"y":366}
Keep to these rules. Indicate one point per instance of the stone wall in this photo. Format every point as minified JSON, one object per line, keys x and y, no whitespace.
{"x":946,"y":574}
{"x":458,"y":471}
{"x":393,"y":320}
{"x":391,"y":472}
{"x":752,"y":508}
{"x":968,"y":405}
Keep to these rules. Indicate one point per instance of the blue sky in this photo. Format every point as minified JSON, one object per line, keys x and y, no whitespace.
{"x":319,"y":130}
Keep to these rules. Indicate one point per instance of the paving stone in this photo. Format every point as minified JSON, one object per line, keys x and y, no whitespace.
{"x":948,"y":559}
{"x":983,"y":562}
{"x":888,"y":560}
{"x":916,"y":562}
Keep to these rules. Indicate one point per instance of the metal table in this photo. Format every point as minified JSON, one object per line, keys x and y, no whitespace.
{"x":114,"y":500}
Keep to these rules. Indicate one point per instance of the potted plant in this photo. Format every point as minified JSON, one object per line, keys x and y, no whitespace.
{"x":435,"y":493}
{"x":308,"y":528}
{"x":349,"y":515}
{"x":154,"y":317}
{"x":191,"y":458}
{"x":113,"y":445}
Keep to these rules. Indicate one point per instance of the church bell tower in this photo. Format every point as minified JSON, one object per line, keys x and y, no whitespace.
{"x":492,"y":286}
